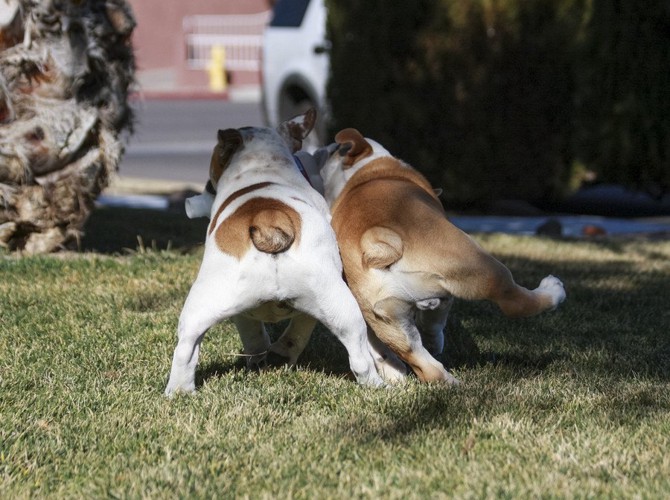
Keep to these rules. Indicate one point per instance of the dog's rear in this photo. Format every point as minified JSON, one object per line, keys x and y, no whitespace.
{"x":404,"y":260}
{"x":269,"y":224}
{"x":270,"y":254}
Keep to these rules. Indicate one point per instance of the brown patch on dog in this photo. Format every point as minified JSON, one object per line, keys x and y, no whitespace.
{"x":359,"y":147}
{"x":232,"y":198}
{"x":269,"y":224}
{"x":230,"y":140}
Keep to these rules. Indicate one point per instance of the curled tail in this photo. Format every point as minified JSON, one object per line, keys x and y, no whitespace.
{"x":269,"y":224}
{"x":381,"y":247}
{"x":273,"y":230}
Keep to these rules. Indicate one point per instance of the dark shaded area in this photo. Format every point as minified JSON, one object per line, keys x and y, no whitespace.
{"x":522,"y":100}
{"x":610,"y":200}
{"x":118,"y":230}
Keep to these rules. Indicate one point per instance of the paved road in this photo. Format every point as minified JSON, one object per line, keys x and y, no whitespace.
{"x":173,"y":139}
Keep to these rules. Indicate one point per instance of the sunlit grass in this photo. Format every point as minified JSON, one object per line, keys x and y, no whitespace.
{"x":574,"y":403}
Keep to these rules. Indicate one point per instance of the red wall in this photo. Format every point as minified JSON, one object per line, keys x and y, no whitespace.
{"x":158,"y":40}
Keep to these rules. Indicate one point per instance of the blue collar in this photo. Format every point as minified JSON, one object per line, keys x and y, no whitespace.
{"x":302,"y":169}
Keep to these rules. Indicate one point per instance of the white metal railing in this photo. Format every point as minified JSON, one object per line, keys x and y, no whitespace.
{"x":241,"y":36}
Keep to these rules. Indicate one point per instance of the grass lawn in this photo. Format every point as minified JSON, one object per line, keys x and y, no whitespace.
{"x":574,"y":403}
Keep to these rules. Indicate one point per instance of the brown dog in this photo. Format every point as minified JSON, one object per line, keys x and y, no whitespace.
{"x":404,"y":261}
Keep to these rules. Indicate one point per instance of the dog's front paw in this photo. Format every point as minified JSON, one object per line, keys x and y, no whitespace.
{"x":283,"y":353}
{"x":276,"y":359}
{"x":552,"y":286}
{"x":391,"y":369}
{"x":451,"y":380}
{"x":370,"y":379}
{"x":257,"y":362}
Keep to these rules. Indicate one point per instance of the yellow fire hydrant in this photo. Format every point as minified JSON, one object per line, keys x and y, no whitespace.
{"x":217,"y":69}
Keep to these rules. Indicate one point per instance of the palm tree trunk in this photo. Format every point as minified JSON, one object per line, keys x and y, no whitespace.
{"x":66,"y":68}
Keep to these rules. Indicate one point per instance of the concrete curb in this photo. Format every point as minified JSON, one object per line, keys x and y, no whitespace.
{"x":168,"y":95}
{"x":251,"y":93}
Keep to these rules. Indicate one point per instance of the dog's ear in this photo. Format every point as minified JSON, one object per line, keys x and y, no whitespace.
{"x":297,"y":128}
{"x":353,"y":146}
{"x":229,"y":141}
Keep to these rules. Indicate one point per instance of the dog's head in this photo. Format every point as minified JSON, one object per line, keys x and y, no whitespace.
{"x":286,"y":138}
{"x":348,"y":155}
{"x":288,"y":134}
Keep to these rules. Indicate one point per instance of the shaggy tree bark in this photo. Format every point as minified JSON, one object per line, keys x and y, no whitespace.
{"x":66,"y":67}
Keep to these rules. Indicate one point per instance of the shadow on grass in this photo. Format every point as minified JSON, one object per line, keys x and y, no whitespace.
{"x":118,"y":230}
{"x":324,"y":354}
{"x":217,"y":369}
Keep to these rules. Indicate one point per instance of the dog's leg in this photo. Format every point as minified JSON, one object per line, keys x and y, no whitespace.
{"x":191,"y":331}
{"x":255,"y":340}
{"x":336,"y":308}
{"x":473,"y":274}
{"x":431,"y":324}
{"x":292,"y":342}
{"x":393,"y":321}
{"x":203,"y":308}
{"x":514,"y":300}
{"x":389,"y":366}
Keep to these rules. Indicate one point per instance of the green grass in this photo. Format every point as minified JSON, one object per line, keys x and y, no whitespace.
{"x":570,"y":404}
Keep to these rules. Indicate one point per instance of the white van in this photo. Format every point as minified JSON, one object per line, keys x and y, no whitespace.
{"x":295,"y":64}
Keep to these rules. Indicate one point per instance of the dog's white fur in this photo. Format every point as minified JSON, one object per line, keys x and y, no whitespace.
{"x":301,"y":278}
{"x":404,"y":268}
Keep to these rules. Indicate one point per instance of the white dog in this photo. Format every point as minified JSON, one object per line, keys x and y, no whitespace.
{"x":270,"y":254}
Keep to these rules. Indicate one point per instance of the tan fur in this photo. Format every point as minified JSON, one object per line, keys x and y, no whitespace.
{"x":388,"y":215}
{"x":232,"y":198}
{"x":269,"y":224}
{"x":385,"y":194}
{"x":359,"y":147}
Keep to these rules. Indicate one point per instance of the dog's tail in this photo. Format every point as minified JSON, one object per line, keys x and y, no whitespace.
{"x":381,"y":247}
{"x":275,"y":227}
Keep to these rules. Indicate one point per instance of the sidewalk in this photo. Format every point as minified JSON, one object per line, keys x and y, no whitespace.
{"x":162,"y":84}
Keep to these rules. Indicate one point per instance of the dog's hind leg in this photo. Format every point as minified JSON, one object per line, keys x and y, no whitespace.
{"x":336,"y":308}
{"x":190,"y":333}
{"x":494,"y":282}
{"x":392,"y":320}
{"x":201,"y":311}
{"x":292,"y":342}
{"x":517,"y":301}
{"x":475,"y":275}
